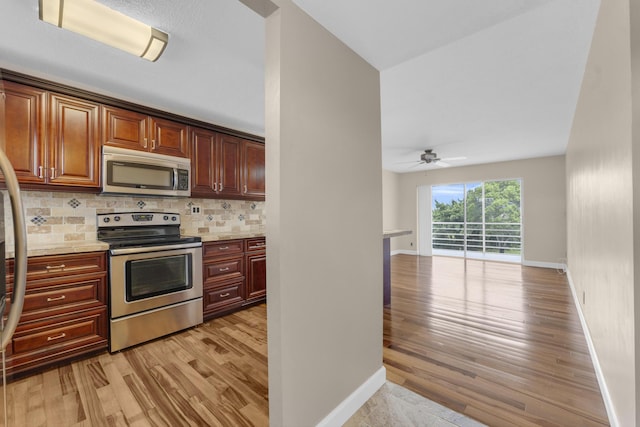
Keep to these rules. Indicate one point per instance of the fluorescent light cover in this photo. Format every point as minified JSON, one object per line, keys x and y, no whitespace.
{"x":94,"y":20}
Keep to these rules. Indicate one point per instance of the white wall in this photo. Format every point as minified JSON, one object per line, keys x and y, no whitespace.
{"x":543,"y":202}
{"x":324,"y":296}
{"x":600,"y":209}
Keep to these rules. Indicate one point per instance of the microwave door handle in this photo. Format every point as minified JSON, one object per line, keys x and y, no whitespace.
{"x":175,"y":178}
{"x":19,"y":231}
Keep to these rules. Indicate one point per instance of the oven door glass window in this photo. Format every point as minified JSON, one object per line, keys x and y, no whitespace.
{"x":158,"y":276}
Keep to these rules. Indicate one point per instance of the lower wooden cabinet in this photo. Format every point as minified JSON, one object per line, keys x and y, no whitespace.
{"x":234,"y":275}
{"x":65,"y":311}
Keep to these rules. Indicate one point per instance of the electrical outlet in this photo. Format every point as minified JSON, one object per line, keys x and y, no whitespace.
{"x":195,"y":209}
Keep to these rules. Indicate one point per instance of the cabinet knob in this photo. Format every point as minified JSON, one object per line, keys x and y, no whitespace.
{"x":40,"y":174}
{"x":53,"y":173}
{"x":224,"y":295}
{"x":145,"y":143}
{"x":215,"y":186}
{"x":224,"y":269}
{"x":221,"y":187}
{"x":245,"y":189}
{"x":60,"y":298}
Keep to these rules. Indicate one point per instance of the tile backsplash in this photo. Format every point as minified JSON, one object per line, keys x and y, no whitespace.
{"x":69,"y":217}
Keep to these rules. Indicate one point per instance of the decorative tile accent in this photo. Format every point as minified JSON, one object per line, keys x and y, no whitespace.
{"x":226,"y":205}
{"x":74,"y":203}
{"x":241,"y":217}
{"x":141,"y":204}
{"x":210,"y":217}
{"x":253,"y":206}
{"x":38,"y":220}
{"x":190,"y":204}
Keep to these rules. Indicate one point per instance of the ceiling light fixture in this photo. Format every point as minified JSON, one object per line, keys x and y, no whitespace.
{"x":97,"y":21}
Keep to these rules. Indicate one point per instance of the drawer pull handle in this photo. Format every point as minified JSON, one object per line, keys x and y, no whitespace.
{"x":56,"y":337}
{"x":55,"y":267}
{"x":60,"y":298}
{"x":224,"y":295}
{"x":224,"y":248}
{"x":224,"y":269}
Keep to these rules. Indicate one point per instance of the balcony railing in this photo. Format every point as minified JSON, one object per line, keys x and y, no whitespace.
{"x":502,"y":238}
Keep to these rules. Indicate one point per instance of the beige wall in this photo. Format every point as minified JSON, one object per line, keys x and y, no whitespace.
{"x":600,"y":198}
{"x":325,"y":299}
{"x":543,"y":202}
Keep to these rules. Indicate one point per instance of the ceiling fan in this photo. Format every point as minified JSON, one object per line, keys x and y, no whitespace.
{"x":430,"y":157}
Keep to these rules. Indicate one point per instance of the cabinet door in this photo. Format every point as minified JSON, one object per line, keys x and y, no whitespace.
{"x":22,"y":130}
{"x":74,"y":142}
{"x":256,"y":276}
{"x":203,"y":167}
{"x":253,"y":170}
{"x":229,"y":167}
{"x":124,"y":129}
{"x":170,"y":138}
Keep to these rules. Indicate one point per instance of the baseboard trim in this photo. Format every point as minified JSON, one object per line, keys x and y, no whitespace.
{"x":401,"y":251}
{"x":543,"y":264}
{"x":604,"y":390}
{"x":351,"y":404}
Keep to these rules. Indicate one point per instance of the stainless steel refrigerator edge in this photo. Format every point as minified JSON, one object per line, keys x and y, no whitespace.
{"x":8,"y":323}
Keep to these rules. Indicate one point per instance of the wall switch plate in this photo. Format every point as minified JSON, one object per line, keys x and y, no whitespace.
{"x":195,"y":209}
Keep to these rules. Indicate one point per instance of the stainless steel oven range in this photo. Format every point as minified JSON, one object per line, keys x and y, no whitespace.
{"x":155,"y":276}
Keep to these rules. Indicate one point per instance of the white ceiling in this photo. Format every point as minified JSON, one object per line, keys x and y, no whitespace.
{"x":489,"y":80}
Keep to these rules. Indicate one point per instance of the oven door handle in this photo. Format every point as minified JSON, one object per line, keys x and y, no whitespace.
{"x":145,"y":249}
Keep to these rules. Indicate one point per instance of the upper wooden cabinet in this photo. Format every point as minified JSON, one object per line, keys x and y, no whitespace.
{"x":22,"y":122}
{"x":51,"y":138}
{"x":136,"y":131}
{"x":225,"y":166}
{"x":253,"y":167}
{"x":74,"y":142}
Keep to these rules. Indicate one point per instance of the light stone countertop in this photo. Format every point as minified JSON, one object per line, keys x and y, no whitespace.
{"x":80,"y":246}
{"x":395,"y":233}
{"x":61,"y":248}
{"x":227,"y":235}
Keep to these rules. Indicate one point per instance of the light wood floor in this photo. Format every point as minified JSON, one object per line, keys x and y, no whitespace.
{"x":498,"y":342}
{"x":211,"y":375}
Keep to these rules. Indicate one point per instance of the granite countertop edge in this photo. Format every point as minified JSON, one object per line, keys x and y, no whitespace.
{"x":80,"y":246}
{"x":395,"y":233}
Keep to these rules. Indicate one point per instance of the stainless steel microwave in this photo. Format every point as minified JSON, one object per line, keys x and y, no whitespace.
{"x":137,"y":172}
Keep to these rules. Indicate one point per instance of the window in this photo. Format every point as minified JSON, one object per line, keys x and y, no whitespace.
{"x":478,"y":219}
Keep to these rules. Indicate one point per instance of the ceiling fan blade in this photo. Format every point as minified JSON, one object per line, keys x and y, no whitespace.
{"x":442,"y":164}
{"x":452,"y":159}
{"x":416,"y":165}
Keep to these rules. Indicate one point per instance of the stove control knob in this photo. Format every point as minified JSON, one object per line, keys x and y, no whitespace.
{"x":173,"y":218}
{"x":166,"y":217}
{"x":116,"y":218}
{"x":106,"y":219}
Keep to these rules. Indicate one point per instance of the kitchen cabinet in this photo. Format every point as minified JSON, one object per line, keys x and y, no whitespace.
{"x":51,"y":139}
{"x":256,"y":270}
{"x":74,"y":142}
{"x":223,"y":277}
{"x":136,"y":131}
{"x":65,"y":311}
{"x":22,"y":122}
{"x":234,"y":275}
{"x":253,"y":168}
{"x":225,"y":166}
{"x":215,"y":165}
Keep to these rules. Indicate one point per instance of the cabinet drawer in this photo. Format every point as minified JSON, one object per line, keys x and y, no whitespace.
{"x":224,"y":269}
{"x":256,"y":244}
{"x":227,"y":294}
{"x":59,"y":334}
{"x":61,"y":265}
{"x":225,"y":247}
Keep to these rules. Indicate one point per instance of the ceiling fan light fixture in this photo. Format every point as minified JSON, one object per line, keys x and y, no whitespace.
{"x":98,"y":22}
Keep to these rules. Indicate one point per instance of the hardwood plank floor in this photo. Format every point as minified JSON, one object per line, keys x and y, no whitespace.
{"x":211,"y":375}
{"x":500,"y":343}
